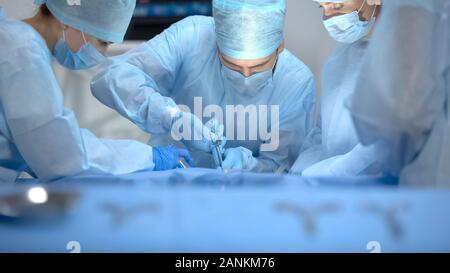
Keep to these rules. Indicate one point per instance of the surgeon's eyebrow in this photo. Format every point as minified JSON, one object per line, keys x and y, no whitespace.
{"x":261,"y":64}
{"x":250,"y":67}
{"x":228,"y":62}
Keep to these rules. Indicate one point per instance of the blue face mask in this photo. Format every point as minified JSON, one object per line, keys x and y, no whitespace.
{"x":348,"y":28}
{"x":86,"y":57}
{"x":248,"y":86}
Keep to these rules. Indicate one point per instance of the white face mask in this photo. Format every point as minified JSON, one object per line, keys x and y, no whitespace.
{"x":348,"y":28}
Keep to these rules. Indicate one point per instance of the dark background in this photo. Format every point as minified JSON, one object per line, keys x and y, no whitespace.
{"x":151,"y":17}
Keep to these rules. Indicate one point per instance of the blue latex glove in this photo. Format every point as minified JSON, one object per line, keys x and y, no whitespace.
{"x":194,"y":134}
{"x":168,"y":158}
{"x":239,"y":159}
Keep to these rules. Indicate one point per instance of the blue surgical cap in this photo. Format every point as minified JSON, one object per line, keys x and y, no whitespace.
{"x":107,"y":20}
{"x":249,"y":29}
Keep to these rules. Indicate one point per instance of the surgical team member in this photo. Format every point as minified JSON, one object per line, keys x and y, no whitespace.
{"x":236,"y":58}
{"x":350,"y":23}
{"x":38,"y":134}
{"x":403,"y":97}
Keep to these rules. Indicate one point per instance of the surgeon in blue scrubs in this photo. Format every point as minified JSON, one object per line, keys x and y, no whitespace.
{"x":38,"y":135}
{"x":340,"y":154}
{"x":236,"y":58}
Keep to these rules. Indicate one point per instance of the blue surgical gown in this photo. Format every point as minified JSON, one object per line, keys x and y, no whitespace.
{"x":182,"y":64}
{"x":340,"y":152}
{"x":38,"y":134}
{"x":402,"y":99}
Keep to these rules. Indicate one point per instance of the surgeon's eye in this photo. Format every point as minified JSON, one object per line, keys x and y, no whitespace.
{"x":104,"y":44}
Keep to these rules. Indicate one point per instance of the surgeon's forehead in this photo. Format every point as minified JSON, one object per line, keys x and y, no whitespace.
{"x":341,"y":5}
{"x":336,"y":2}
{"x":241,"y":62}
{"x":331,"y":2}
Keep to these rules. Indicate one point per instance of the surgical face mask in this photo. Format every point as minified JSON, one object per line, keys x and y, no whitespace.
{"x":348,"y":28}
{"x":86,"y":57}
{"x":248,"y":86}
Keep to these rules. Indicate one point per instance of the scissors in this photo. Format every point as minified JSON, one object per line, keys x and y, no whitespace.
{"x":183,"y":164}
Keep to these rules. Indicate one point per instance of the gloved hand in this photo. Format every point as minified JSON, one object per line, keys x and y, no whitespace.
{"x":194,"y":134}
{"x":239,"y":159}
{"x":168,"y":158}
{"x":354,"y":163}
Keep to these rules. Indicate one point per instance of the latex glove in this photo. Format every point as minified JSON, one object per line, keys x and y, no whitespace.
{"x":351,"y":164}
{"x":168,"y":158}
{"x":325,"y":168}
{"x":194,"y":134}
{"x":239,"y":159}
{"x":216,"y":130}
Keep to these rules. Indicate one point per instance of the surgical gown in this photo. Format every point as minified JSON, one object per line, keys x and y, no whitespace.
{"x":38,"y":134}
{"x":340,"y":152}
{"x":182,"y":64}
{"x":402,"y":98}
